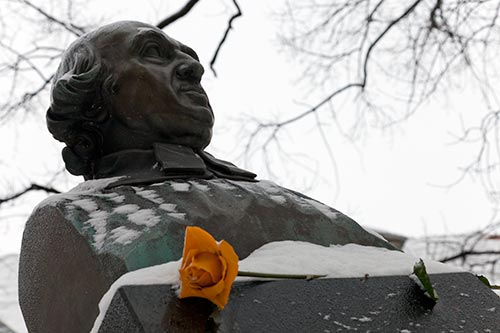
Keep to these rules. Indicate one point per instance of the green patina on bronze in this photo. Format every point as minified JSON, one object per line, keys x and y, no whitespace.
{"x":144,"y":225}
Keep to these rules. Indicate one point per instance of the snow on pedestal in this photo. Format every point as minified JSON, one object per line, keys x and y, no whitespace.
{"x":291,"y":257}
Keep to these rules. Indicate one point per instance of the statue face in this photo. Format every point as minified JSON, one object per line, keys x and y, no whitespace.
{"x":158,"y":96}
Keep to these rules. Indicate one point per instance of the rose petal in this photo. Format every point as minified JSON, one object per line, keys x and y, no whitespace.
{"x":199,"y":239}
{"x":210,"y":263}
{"x":188,"y":258}
{"x":224,"y":266}
{"x":212,"y":292}
{"x":199,"y":278}
{"x":228,"y":253}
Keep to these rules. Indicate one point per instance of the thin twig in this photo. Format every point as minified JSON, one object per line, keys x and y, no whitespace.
{"x":33,"y":187}
{"x":179,"y":14}
{"x":226,"y":33}
{"x":78,"y":31}
{"x":468,"y":253}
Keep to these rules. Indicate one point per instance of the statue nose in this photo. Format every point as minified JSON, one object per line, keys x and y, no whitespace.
{"x":190,"y":71}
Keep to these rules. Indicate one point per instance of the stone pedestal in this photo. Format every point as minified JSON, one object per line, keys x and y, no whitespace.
{"x":376,"y":304}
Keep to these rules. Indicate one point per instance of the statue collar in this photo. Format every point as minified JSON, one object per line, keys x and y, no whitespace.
{"x":164,"y":162}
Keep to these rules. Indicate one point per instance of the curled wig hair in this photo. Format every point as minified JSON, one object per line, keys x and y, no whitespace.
{"x":80,"y":106}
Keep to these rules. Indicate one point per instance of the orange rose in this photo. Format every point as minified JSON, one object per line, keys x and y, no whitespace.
{"x":208,"y":267}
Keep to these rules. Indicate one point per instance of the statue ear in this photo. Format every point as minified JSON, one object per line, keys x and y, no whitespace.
{"x":83,"y":141}
{"x":87,"y":142}
{"x":84,"y":145}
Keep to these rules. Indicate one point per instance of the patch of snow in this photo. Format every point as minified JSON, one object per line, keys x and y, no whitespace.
{"x":161,"y":274}
{"x":180,"y":216}
{"x":118,"y":199}
{"x":150,"y":195}
{"x":253,"y":187}
{"x":224,"y":184}
{"x":87,"y":187}
{"x":276,"y":191}
{"x":169,"y":207}
{"x":362,"y":319}
{"x":351,"y":260}
{"x":113,"y":196}
{"x":93,"y":186}
{"x":123,"y":235}
{"x":98,"y":221}
{"x":86,"y":204}
{"x":322,"y":208}
{"x":180,"y":187}
{"x":279,"y":199}
{"x":347,"y":327}
{"x":126,"y":209}
{"x":145,"y":217}
{"x":373,"y":232}
{"x":201,"y":187}
{"x":106,"y":195}
{"x":269,"y":186}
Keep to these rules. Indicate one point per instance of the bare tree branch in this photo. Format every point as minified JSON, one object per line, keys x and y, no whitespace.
{"x":381,"y":35}
{"x":76,"y":30}
{"x":179,"y":14}
{"x":27,"y":96}
{"x":465,"y":254}
{"x":186,"y":9}
{"x":33,"y":187}
{"x":226,"y":33}
{"x":362,"y":84}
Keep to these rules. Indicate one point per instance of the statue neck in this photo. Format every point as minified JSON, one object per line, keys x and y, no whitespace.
{"x":165,"y":161}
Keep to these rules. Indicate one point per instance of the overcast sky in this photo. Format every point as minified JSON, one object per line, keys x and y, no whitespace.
{"x":393,"y":180}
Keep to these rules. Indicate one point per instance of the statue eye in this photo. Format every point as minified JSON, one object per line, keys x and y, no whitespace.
{"x":152,"y":50}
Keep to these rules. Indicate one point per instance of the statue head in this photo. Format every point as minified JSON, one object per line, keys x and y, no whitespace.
{"x":126,"y":86}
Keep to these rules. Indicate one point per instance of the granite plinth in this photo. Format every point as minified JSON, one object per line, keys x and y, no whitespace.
{"x":375,"y":304}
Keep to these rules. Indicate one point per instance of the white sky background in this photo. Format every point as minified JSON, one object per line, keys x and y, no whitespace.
{"x":386,"y":180}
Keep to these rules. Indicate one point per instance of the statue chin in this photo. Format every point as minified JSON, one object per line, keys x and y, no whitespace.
{"x":200,"y":141}
{"x":197,"y":139}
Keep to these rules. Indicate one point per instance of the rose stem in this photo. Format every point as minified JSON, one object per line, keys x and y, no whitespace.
{"x":280,"y":276}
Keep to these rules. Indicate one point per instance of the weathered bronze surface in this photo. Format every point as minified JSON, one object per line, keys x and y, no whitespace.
{"x":128,"y":104}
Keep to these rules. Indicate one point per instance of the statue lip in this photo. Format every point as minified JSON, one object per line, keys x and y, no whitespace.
{"x":193,"y":88}
{"x":196,"y":93}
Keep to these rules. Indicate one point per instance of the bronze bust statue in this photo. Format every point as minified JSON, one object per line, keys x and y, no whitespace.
{"x":128,"y":104}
